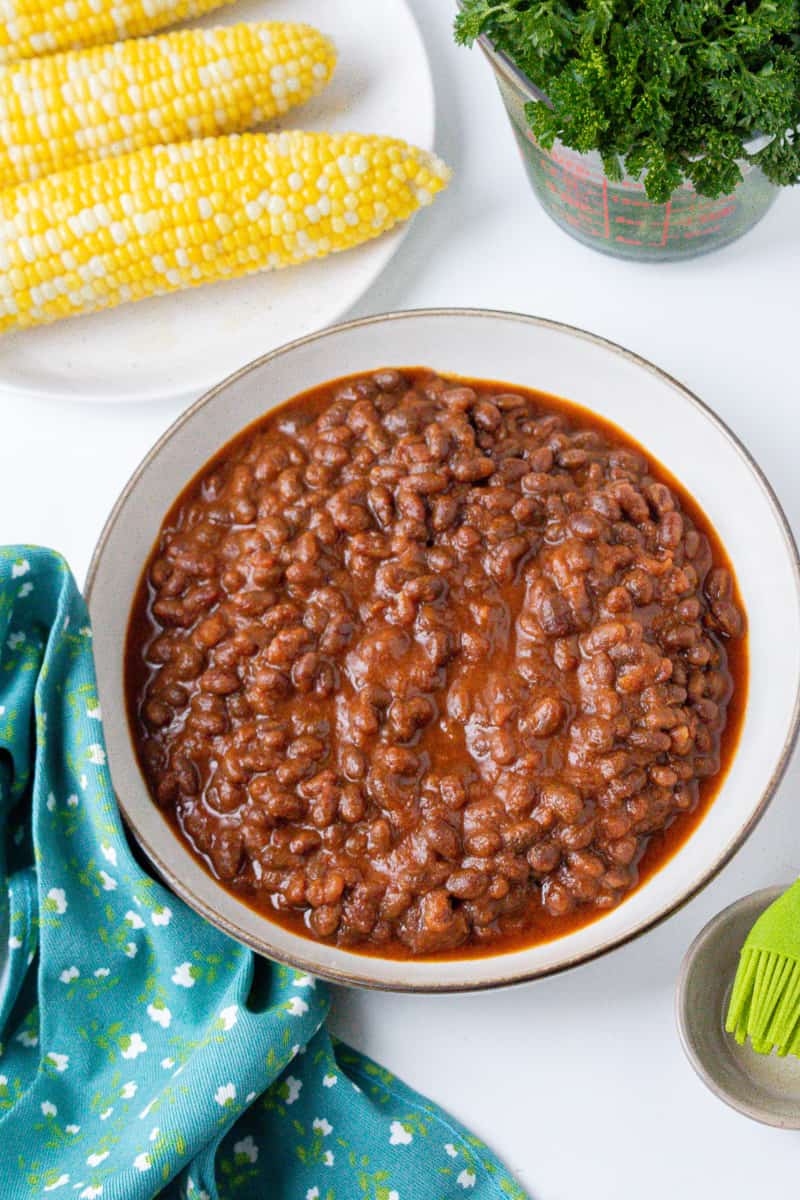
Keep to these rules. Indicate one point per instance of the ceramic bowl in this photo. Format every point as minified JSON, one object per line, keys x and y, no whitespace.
{"x":663,"y":416}
{"x":762,"y":1087}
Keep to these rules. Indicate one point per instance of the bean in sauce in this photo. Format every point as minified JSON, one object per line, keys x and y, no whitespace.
{"x":430,"y":666}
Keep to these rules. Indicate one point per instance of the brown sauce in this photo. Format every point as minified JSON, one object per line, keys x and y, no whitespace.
{"x":353,"y":710}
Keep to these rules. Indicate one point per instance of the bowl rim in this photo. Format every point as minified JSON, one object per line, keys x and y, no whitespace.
{"x":360,"y":976}
{"x":758,"y":901}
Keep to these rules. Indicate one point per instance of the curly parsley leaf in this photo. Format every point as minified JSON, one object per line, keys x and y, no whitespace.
{"x":673,"y":89}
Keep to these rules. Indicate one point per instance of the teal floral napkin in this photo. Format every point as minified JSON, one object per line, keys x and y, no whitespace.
{"x":144,"y":1053}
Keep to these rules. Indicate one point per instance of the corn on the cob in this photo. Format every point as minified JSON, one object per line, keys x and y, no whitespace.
{"x":171,"y":217}
{"x":29,"y":28}
{"x":58,"y":111}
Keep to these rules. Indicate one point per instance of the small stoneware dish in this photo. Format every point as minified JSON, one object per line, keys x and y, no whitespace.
{"x":672,"y":424}
{"x":763,"y":1087}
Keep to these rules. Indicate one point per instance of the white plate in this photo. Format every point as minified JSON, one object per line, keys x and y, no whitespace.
{"x":665,"y":418}
{"x":179,"y":345}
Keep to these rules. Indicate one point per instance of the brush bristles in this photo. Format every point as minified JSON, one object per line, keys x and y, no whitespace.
{"x":765,"y":1002}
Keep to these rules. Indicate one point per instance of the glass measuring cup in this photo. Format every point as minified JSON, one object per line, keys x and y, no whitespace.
{"x":617,"y":217}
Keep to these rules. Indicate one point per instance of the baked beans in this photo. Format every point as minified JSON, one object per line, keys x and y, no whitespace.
{"x":423,"y":665}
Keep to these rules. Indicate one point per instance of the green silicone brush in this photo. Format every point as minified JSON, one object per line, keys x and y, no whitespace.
{"x":765,"y":1002}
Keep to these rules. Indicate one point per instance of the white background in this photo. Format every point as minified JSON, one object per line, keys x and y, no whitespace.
{"x":578,"y":1082}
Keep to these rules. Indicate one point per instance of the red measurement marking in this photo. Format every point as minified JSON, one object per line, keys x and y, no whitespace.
{"x":575,"y":168}
{"x":665,"y":233}
{"x":717,"y":214}
{"x":629,"y":241}
{"x":706,"y":231}
{"x":605,"y":208}
{"x":704,"y":203}
{"x":626,"y":221}
{"x":586,"y":224}
{"x":576,"y":203}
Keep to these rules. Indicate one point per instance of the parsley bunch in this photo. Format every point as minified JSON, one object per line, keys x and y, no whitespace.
{"x":666,"y":89}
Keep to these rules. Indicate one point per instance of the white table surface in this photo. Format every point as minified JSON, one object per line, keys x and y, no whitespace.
{"x":579,"y":1081}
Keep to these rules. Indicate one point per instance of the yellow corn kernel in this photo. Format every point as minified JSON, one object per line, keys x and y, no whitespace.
{"x":29,"y":28}
{"x":58,"y":111}
{"x":170,"y":217}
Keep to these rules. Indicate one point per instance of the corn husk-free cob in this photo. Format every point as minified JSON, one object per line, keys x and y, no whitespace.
{"x":64,"y":109}
{"x":29,"y":28}
{"x":171,"y":217}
